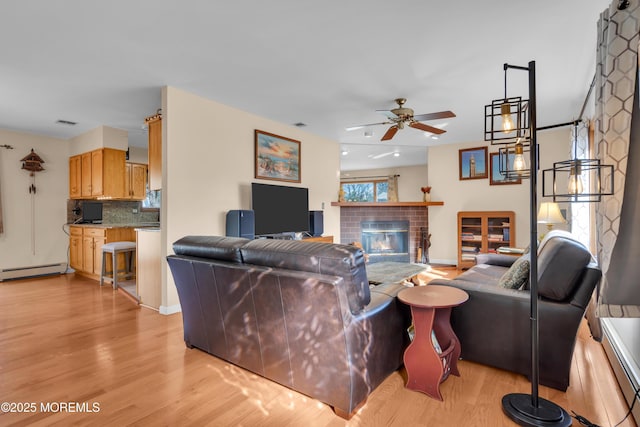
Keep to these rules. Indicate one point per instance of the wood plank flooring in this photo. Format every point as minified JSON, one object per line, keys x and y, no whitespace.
{"x":65,"y":339}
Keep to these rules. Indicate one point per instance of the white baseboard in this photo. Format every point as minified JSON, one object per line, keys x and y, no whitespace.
{"x":172,"y":309}
{"x":443,"y":261}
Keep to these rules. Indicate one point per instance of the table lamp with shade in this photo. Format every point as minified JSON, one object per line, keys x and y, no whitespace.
{"x":549,"y":214}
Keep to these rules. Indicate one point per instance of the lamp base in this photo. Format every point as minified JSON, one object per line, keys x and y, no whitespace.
{"x":519,"y":408}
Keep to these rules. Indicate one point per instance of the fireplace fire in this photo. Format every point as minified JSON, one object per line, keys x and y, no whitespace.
{"x":386,"y":240}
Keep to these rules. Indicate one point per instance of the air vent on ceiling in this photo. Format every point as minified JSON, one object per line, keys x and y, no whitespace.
{"x":66,"y":122}
{"x":300,"y":124}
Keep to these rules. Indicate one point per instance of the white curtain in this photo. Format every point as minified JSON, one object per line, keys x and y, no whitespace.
{"x":617,"y":142}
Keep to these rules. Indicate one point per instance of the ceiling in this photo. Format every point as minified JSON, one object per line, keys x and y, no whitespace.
{"x":328,"y":64}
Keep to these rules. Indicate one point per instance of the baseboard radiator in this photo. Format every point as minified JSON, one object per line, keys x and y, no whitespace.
{"x":36,"y":270}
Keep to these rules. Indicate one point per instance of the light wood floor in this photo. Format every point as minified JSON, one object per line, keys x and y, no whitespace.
{"x":65,"y":339}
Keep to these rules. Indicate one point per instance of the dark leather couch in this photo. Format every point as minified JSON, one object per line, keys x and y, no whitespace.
{"x":298,"y":313}
{"x":493,"y":325}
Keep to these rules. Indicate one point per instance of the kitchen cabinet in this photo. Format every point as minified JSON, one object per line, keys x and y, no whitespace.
{"x":75,"y":177}
{"x":86,"y":247}
{"x":483,"y":232}
{"x":101,"y":172}
{"x":135,"y":181}
{"x":155,"y":151}
{"x":75,"y":248}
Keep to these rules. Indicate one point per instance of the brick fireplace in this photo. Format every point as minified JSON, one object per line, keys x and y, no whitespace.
{"x":353,"y":215}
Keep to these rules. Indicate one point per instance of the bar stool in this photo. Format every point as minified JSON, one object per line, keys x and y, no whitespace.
{"x":115,"y":248}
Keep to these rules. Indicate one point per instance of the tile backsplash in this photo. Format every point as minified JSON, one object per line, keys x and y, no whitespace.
{"x":115,"y":212}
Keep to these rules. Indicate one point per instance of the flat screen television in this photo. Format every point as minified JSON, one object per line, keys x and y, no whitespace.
{"x":279,"y":209}
{"x":92,"y":212}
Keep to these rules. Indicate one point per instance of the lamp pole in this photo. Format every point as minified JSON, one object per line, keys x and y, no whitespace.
{"x":531,"y":410}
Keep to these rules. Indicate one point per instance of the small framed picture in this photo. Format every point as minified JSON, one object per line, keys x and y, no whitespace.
{"x":498,"y":178}
{"x":277,"y":157}
{"x":473,"y":163}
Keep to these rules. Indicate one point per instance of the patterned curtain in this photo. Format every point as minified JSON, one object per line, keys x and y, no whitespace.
{"x":392,"y":190}
{"x":618,"y":143}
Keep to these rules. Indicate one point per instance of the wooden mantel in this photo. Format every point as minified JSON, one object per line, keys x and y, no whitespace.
{"x":385,"y":204}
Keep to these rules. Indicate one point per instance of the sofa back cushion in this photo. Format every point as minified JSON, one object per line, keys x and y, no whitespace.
{"x":315,"y":257}
{"x":212,"y":247}
{"x":561,"y":264}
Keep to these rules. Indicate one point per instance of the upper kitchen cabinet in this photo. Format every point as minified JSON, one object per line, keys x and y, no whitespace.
{"x":135,"y":181}
{"x":102,"y":174}
{"x":155,"y":151}
{"x":75,"y":177}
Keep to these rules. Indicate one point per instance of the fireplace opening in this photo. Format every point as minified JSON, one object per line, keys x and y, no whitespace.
{"x":386,"y":240}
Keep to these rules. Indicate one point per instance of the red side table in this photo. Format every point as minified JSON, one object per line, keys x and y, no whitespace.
{"x":431,"y":310}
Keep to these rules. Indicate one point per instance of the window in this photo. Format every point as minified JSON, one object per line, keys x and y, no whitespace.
{"x":365,"y":191}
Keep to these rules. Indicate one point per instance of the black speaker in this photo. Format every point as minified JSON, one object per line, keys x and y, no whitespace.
{"x":316,"y":223}
{"x":241,"y":223}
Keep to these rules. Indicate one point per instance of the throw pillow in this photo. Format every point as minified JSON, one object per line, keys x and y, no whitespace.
{"x":518,"y":274}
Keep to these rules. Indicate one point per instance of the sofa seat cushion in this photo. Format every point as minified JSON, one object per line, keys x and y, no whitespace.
{"x":483,"y":273}
{"x":517,"y":276}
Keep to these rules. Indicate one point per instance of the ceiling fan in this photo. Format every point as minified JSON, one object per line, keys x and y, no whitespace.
{"x":401,"y":116}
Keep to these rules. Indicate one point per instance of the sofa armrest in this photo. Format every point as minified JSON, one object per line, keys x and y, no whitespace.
{"x":496,"y":259}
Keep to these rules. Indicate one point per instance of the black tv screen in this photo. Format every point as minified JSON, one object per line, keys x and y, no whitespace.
{"x":92,"y":212}
{"x":279,"y":209}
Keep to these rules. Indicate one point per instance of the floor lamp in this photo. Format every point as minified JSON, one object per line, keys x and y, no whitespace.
{"x":529,"y":409}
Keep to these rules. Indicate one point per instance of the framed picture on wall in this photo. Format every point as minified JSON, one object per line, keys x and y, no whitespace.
{"x":473,"y":163}
{"x":277,"y":157}
{"x":496,"y":178}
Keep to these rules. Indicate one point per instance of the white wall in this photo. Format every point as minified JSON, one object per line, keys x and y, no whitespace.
{"x":478,"y":195}
{"x":100,"y":137}
{"x":49,"y":202}
{"x":208,"y":167}
{"x":138,"y":155}
{"x":409,"y":182}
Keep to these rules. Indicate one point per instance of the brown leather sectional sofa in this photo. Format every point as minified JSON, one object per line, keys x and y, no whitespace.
{"x":301,"y":314}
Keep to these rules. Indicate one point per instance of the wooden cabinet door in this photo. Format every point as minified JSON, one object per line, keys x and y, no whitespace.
{"x":97,"y":173}
{"x":136,"y":181}
{"x":86,"y":177}
{"x":75,"y":177}
{"x":75,"y":248}
{"x":87,"y":254}
{"x":97,"y":255}
{"x":155,"y":154}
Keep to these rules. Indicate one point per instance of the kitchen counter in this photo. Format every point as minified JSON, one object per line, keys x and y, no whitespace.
{"x":129,"y":225}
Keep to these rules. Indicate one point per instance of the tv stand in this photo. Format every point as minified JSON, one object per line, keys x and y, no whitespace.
{"x":279,"y":236}
{"x":324,"y":239}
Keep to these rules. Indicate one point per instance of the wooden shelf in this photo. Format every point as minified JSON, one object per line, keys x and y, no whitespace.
{"x":385,"y":204}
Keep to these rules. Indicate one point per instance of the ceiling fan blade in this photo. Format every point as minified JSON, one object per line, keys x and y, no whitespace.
{"x":390,"y":133}
{"x":390,"y":115}
{"x":364,"y":126}
{"x":426,"y":128}
{"x":434,"y":116}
